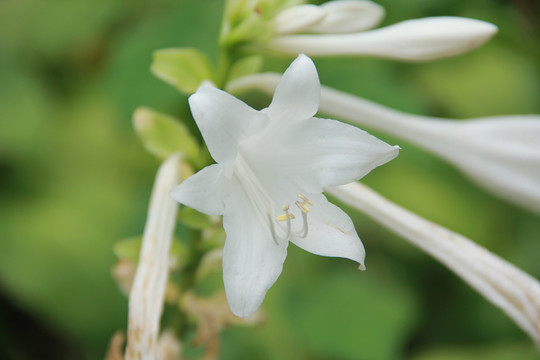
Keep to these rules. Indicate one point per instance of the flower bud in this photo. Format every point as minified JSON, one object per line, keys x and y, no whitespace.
{"x":504,"y":285}
{"x":412,"y":40}
{"x":297,"y":19}
{"x":347,"y":16}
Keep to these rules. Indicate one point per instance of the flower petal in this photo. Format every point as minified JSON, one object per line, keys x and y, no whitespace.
{"x":506,"y":286}
{"x":224,"y":121}
{"x":203,"y":191}
{"x":330,"y":232}
{"x":252,"y":261}
{"x":315,"y":153}
{"x":346,"y":16}
{"x":297,"y":94}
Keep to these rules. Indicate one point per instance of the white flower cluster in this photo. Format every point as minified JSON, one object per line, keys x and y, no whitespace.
{"x":273,"y":165}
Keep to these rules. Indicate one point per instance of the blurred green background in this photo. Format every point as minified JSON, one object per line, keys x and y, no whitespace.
{"x":74,"y":179}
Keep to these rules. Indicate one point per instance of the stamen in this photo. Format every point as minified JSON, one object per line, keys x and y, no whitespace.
{"x":302,"y":206}
{"x":286,"y":209}
{"x":305,"y":225}
{"x":272,"y":230}
{"x":286,"y":216}
{"x":305,"y":209}
{"x":305,"y":199}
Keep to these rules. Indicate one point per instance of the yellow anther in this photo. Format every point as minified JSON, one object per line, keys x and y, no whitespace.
{"x":302,"y":206}
{"x":305,"y":199}
{"x":284,"y":217}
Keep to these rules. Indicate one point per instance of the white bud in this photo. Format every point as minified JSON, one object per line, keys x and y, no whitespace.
{"x":297,"y":19}
{"x":346,"y":16}
{"x":148,"y":290}
{"x":411,"y":40}
{"x":509,"y":288}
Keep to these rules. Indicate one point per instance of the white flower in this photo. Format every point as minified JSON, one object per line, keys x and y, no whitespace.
{"x":412,"y":40}
{"x":272,"y":166}
{"x":502,"y":154}
{"x":501,"y":283}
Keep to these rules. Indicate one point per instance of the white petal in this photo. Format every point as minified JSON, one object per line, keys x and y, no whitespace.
{"x":297,"y":19}
{"x":314,"y":153}
{"x":330,"y":232}
{"x":224,"y":121}
{"x":252,"y":261}
{"x":297,"y":94}
{"x":501,"y":154}
{"x":203,"y":191}
{"x":412,"y":40}
{"x":347,"y":16}
{"x":506,"y":286}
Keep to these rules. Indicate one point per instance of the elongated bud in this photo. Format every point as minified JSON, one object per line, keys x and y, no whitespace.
{"x":347,"y":16}
{"x":501,"y":283}
{"x":297,"y":19}
{"x":148,"y":290}
{"x":412,"y":40}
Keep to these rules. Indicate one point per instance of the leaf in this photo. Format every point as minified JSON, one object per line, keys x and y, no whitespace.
{"x":246,"y":66}
{"x":193,"y":219}
{"x":163,"y":135}
{"x":183,"y":68}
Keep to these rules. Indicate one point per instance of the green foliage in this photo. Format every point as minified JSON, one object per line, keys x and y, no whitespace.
{"x":246,"y":66}
{"x":183,"y":68}
{"x":503,"y":351}
{"x":128,"y":249}
{"x":248,"y":21}
{"x":193,"y":219}
{"x":163,"y":135}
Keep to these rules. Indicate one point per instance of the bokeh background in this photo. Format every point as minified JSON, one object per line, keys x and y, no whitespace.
{"x":74,"y":179}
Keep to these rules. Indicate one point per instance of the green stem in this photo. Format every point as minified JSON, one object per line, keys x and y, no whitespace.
{"x":224,"y":66}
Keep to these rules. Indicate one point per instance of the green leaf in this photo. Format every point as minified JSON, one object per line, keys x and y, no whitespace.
{"x":493,"y":351}
{"x":183,"y":68}
{"x":128,"y":249}
{"x":163,"y":135}
{"x":246,"y":66}
{"x":193,"y":219}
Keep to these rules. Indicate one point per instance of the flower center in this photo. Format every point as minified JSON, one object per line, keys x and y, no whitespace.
{"x":304,"y":209}
{"x":264,"y":205}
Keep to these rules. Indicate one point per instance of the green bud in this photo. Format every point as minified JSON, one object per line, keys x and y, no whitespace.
{"x":251,"y":29}
{"x":163,"y":135}
{"x":246,"y":66}
{"x":249,"y":21}
{"x":183,"y":68}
